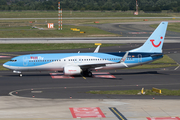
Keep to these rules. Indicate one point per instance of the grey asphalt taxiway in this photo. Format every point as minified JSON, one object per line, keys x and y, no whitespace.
{"x":52,"y":85}
{"x":42,"y":95}
{"x":37,"y":95}
{"x":134,"y":30}
{"x":42,"y":85}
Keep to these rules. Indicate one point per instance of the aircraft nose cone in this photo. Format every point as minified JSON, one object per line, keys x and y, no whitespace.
{"x":5,"y":65}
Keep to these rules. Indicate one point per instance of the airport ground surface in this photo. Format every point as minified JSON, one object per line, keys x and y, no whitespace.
{"x":46,"y":96}
{"x":130,"y":32}
{"x":40,"y":96}
{"x":121,"y":79}
{"x":133,"y":29}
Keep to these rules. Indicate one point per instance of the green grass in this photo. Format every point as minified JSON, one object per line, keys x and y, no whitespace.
{"x":16,"y":28}
{"x":75,"y":21}
{"x":23,"y":29}
{"x":52,"y":46}
{"x":165,"y":92}
{"x":27,"y":31}
{"x":3,"y":61}
{"x":2,"y":68}
{"x":166,"y":61}
{"x":152,"y":66}
{"x":175,"y":27}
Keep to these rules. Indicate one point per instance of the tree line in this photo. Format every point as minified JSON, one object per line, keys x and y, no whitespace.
{"x":123,"y":5}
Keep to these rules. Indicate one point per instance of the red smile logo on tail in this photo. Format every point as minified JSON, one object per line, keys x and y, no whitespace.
{"x":152,"y":41}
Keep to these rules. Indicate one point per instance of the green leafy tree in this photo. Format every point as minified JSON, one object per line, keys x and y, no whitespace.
{"x":178,"y":9}
{"x":125,"y":8}
{"x":157,"y":9}
{"x":3,"y":2}
{"x":124,"y":5}
{"x":117,"y":7}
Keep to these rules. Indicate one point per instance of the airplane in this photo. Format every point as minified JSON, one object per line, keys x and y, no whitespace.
{"x":84,"y":63}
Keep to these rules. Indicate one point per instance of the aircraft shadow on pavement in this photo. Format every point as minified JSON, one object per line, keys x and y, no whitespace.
{"x":98,"y":76}
{"x":140,"y":73}
{"x":27,"y":75}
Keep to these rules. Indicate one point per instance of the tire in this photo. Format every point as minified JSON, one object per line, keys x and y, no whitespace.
{"x":89,"y":74}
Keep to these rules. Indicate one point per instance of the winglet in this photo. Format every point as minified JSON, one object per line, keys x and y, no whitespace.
{"x":97,"y":49}
{"x":123,"y":59}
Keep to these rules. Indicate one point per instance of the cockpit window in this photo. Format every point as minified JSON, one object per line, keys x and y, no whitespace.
{"x":13,"y":60}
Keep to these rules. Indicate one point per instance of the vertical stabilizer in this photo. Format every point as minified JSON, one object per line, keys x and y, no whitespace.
{"x":155,"y":42}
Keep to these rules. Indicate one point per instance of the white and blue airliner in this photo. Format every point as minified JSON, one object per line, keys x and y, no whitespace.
{"x":84,"y":63}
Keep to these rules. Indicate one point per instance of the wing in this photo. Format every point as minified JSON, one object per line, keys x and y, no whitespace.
{"x":95,"y":65}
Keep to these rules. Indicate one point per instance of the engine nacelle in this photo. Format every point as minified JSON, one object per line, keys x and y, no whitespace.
{"x":72,"y":70}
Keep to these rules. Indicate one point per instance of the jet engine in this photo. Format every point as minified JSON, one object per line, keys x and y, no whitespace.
{"x":72,"y":70}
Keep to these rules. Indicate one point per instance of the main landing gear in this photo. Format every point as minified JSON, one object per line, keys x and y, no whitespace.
{"x":87,"y":73}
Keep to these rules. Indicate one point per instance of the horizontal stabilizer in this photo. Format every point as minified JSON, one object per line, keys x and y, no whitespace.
{"x":156,"y":55}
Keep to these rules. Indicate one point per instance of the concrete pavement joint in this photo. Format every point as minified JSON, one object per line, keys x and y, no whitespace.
{"x":146,"y":112}
{"x":164,"y":111}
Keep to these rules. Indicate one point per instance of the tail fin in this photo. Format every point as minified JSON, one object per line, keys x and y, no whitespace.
{"x":155,"y":42}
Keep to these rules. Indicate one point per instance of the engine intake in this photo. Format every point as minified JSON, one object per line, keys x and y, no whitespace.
{"x":72,"y":70}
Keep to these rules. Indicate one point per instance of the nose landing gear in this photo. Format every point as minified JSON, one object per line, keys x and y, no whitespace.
{"x":19,"y":72}
{"x":20,"y":75}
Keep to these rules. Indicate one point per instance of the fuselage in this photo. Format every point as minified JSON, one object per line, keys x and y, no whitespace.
{"x":92,"y":61}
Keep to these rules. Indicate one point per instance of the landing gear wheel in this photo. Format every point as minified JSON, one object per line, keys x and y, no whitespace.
{"x":20,"y":75}
{"x":89,"y":74}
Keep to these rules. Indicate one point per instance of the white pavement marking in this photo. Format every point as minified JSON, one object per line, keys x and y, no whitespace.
{"x":14,"y":108}
{"x":177,"y":67}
